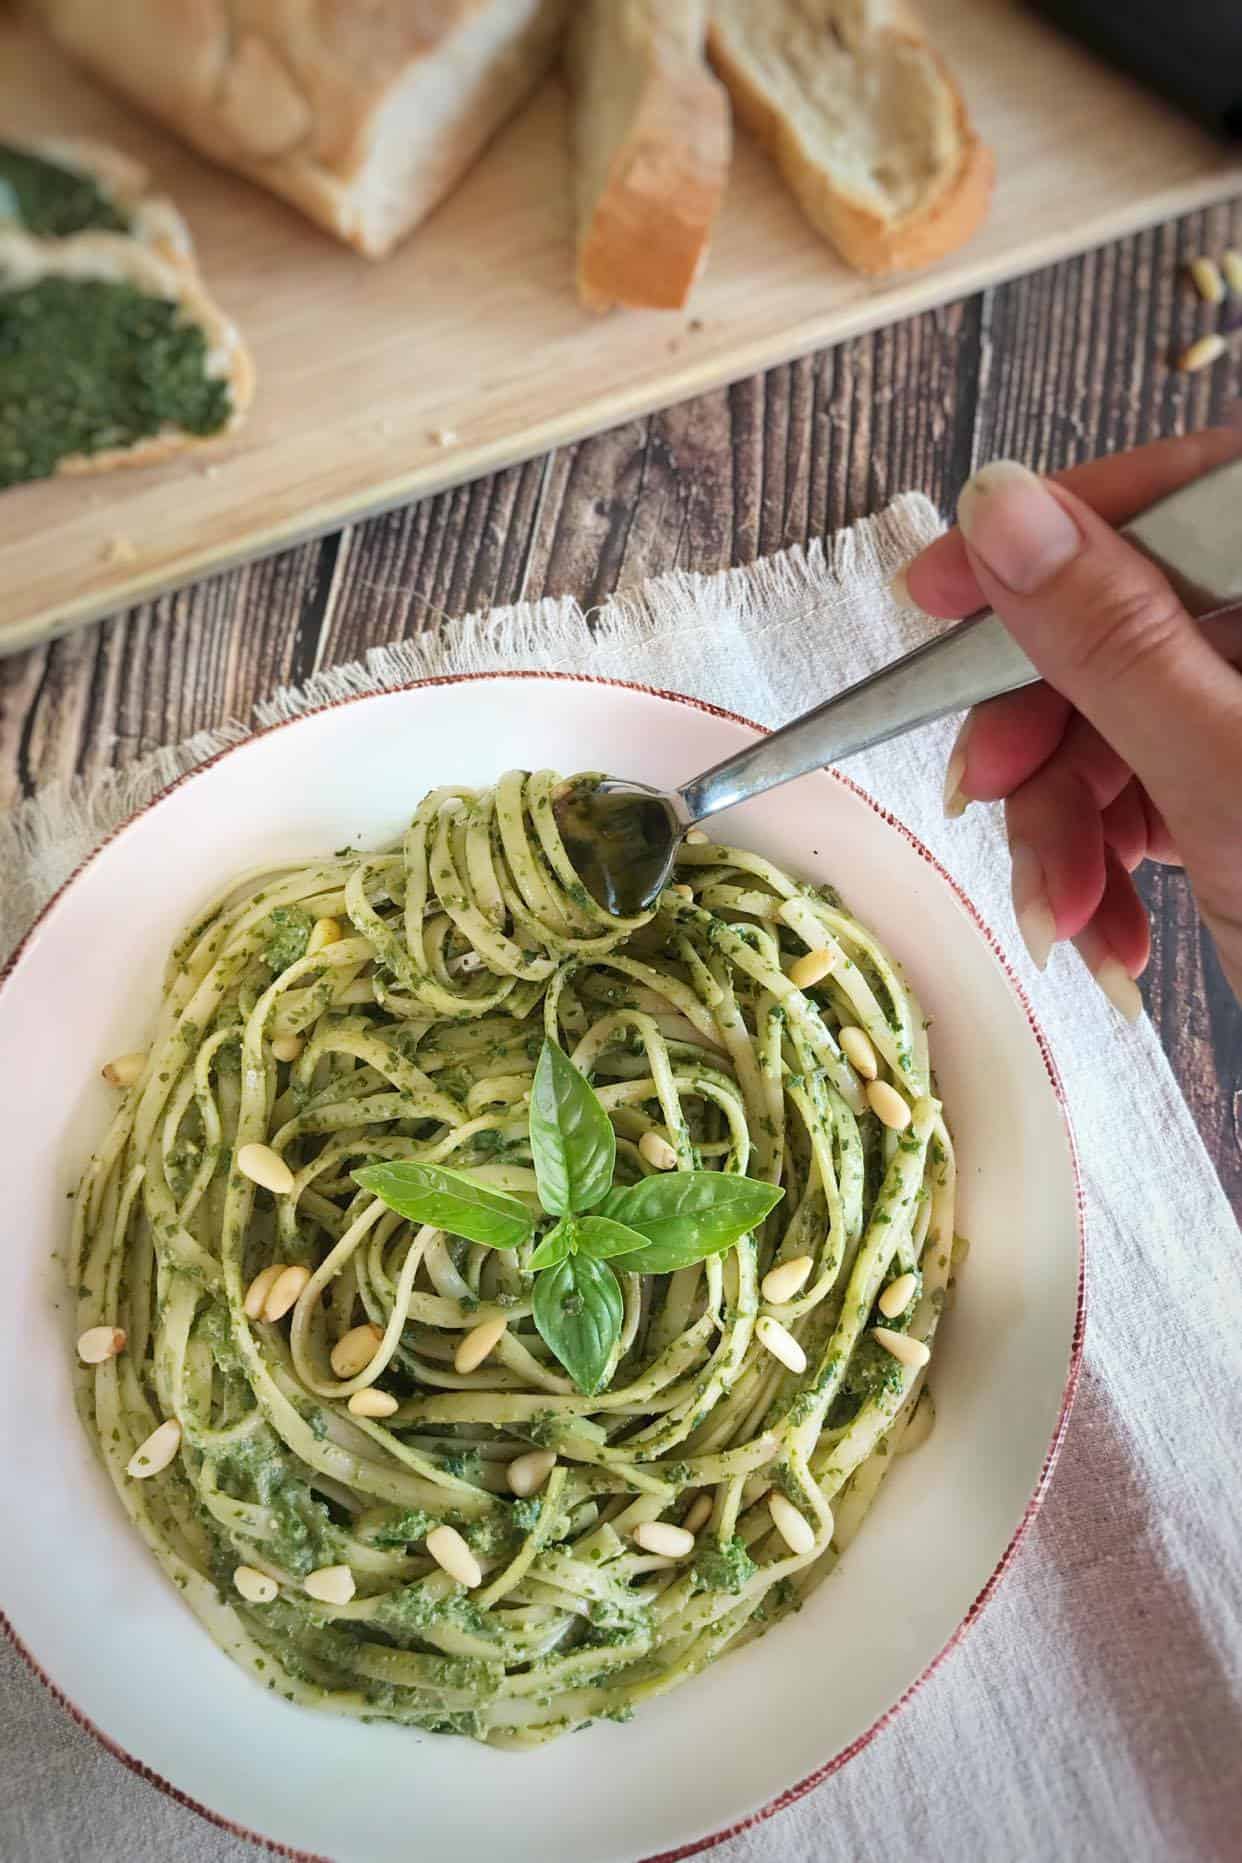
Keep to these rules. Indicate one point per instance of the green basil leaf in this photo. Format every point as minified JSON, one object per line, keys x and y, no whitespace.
{"x":599,"y":1237}
{"x":558,"y":1243}
{"x":426,"y":1193}
{"x":685,"y":1216}
{"x":578,"y":1308}
{"x":572,"y":1141}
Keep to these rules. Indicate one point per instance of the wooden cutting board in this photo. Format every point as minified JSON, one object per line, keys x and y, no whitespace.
{"x":467,"y":350}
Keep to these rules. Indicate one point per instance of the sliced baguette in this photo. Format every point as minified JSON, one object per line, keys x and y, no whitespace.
{"x":864,"y":121}
{"x":120,"y":259}
{"x":651,"y":139}
{"x":365,"y":116}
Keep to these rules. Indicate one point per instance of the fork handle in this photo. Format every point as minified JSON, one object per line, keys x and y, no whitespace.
{"x":1195,"y":536}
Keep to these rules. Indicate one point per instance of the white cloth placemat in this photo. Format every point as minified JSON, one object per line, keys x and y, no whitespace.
{"x":1095,"y":1710}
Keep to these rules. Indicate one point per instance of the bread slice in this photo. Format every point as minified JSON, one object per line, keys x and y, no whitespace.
{"x":365,"y":116}
{"x":864,"y":121}
{"x":110,"y":259}
{"x":651,"y":139}
{"x":116,"y":198}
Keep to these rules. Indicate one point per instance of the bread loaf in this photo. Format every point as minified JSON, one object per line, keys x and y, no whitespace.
{"x":650,"y":128}
{"x":363,"y":115}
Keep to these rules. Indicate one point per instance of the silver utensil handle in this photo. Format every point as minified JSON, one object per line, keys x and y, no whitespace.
{"x":974,"y":661}
{"x":1195,"y":536}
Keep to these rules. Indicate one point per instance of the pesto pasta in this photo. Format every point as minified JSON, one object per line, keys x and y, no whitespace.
{"x":342,"y":1431}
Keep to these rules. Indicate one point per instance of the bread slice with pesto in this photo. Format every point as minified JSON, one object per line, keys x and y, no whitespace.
{"x":651,"y":149}
{"x":53,"y":187}
{"x":865,"y":122}
{"x":111,"y":354}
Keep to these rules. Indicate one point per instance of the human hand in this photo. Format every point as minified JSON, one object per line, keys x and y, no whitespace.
{"x":1132,"y":750}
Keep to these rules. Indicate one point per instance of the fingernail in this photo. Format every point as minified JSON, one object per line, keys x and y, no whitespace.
{"x":1111,"y":975}
{"x":1030,"y":904}
{"x":899,"y":590}
{"x":955,"y":803}
{"x":1012,"y":522}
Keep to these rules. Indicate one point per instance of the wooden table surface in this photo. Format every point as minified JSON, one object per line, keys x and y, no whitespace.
{"x":1054,"y":368}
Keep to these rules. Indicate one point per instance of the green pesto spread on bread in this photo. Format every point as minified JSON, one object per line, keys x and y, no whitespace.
{"x":90,"y":364}
{"x":52,"y":200}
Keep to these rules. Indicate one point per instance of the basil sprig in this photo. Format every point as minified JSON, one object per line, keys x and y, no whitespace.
{"x":578,"y":1308}
{"x":572,"y":1142}
{"x":427,"y":1193}
{"x":653,"y":1227}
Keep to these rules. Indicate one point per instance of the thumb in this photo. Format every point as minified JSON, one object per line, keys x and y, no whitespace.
{"x":1104,"y":628}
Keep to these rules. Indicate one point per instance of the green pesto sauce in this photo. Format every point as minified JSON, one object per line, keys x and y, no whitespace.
{"x":86,"y":364}
{"x":51,"y":201}
{"x":288,"y":936}
{"x":723,"y":1566}
{"x":872,"y":1371}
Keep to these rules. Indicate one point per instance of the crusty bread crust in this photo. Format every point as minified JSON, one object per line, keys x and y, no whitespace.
{"x":305,"y":96}
{"x":865,"y":239}
{"x":644,"y":238}
{"x":25,"y":260}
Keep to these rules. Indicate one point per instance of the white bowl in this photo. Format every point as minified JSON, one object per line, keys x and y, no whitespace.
{"x":87,"y":1602}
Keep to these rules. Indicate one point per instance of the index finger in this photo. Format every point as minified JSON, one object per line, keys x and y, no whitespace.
{"x":940,"y":579}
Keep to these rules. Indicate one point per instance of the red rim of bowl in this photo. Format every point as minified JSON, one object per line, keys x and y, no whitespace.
{"x":838,"y":1760}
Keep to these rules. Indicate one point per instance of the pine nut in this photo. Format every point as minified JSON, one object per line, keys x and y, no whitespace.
{"x":811,"y":969}
{"x":905,"y":1350}
{"x":657,"y":1152}
{"x":287,"y":1047}
{"x":695,"y":837}
{"x":857,"y":1049}
{"x":255,"y":1587}
{"x":125,"y":1071}
{"x":371,"y":1403}
{"x":780,"y":1342}
{"x":897,"y":1295}
{"x":285,"y":1292}
{"x":323,"y":932}
{"x":786,"y":1279}
{"x":1207,"y":279}
{"x":794,"y":1528}
{"x":478,"y":1343}
{"x":100,"y":1343}
{"x":331,"y":1584}
{"x":260,"y":1288}
{"x":887,"y":1105}
{"x":154,"y":1455}
{"x":266,"y":1167}
{"x":682,"y":890}
{"x":354,"y":1350}
{"x":526,"y":1474}
{"x":1203,"y":354}
{"x":1231,"y":265}
{"x":664,"y":1539}
{"x":452,"y":1555}
{"x":697,"y":1514}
